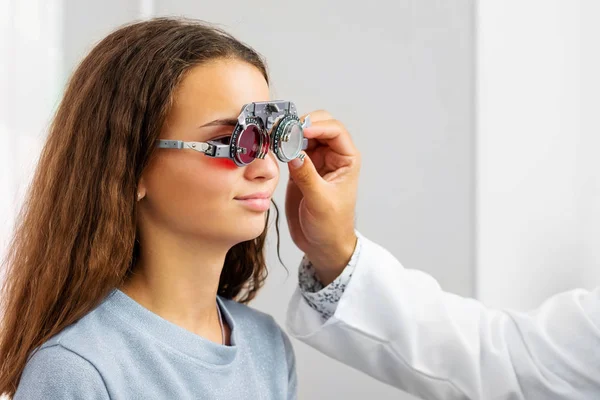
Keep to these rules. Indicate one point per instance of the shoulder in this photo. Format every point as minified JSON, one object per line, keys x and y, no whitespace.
{"x":54,"y":371}
{"x":65,"y":365}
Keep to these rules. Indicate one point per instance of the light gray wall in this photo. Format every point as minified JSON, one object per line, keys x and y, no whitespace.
{"x":87,"y":22}
{"x":400,"y":76}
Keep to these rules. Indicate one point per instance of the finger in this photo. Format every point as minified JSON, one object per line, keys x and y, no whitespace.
{"x":334,"y":134}
{"x":317,"y":156}
{"x":318,"y":115}
{"x":293,"y":197}
{"x":312,"y":144}
{"x":326,"y":161}
{"x":306,"y":177}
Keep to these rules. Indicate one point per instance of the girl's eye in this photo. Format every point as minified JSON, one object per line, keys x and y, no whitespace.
{"x":222,"y":139}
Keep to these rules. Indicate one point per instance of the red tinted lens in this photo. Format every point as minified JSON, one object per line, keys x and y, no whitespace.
{"x":249,"y":139}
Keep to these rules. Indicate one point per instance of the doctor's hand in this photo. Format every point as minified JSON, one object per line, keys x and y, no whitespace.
{"x":321,"y":196}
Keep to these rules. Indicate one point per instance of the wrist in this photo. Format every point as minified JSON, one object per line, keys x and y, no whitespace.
{"x":329,"y":262}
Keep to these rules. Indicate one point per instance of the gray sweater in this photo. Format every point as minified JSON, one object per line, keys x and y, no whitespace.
{"x":121,"y":350}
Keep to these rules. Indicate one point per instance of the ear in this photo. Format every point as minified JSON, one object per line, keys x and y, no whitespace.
{"x":141,"y":190}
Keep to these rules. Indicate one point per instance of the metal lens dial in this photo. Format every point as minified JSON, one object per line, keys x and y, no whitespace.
{"x":288,"y":138}
{"x":246,"y":144}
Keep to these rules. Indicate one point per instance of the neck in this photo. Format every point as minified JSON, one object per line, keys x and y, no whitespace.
{"x":178,"y":280}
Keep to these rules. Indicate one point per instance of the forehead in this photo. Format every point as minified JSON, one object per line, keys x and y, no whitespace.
{"x":218,"y":89}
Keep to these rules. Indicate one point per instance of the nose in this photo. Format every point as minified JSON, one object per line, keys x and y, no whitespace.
{"x":265,"y":169}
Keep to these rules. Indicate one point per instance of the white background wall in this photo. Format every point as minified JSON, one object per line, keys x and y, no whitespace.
{"x":589,"y":161}
{"x":538,"y":170}
{"x":30,"y":67}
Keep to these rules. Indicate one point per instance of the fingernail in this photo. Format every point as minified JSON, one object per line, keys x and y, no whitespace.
{"x":297,"y":162}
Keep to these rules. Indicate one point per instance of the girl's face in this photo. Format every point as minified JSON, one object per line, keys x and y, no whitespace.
{"x":196,"y":196}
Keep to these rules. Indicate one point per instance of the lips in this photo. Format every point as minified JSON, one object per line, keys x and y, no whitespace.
{"x":260,"y":202}
{"x":258,"y":195}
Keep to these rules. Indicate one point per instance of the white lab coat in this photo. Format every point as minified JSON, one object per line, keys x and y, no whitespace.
{"x":398,"y":326}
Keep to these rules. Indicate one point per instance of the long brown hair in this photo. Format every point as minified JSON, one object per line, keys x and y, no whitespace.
{"x":75,"y":238}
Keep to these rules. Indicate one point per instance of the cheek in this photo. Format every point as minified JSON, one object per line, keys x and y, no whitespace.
{"x":187,"y":182}
{"x":222,"y":163}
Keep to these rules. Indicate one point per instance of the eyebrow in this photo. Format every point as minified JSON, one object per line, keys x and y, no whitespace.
{"x":221,"y":122}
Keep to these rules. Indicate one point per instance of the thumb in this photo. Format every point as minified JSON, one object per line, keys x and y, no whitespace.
{"x":305,"y":175}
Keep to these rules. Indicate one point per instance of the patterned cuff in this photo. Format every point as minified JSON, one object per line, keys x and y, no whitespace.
{"x":325,"y":299}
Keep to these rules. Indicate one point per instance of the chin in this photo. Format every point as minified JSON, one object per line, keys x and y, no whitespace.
{"x":250,"y":229}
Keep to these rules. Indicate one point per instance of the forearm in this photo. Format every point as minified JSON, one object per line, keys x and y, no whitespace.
{"x":400,"y":327}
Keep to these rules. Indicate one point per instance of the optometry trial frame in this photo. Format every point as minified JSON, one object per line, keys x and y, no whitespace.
{"x":260,"y":126}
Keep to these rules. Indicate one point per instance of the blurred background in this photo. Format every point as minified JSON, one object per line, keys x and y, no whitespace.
{"x":477,"y":122}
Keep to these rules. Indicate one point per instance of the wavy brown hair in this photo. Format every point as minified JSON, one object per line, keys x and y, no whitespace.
{"x":75,"y":238}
